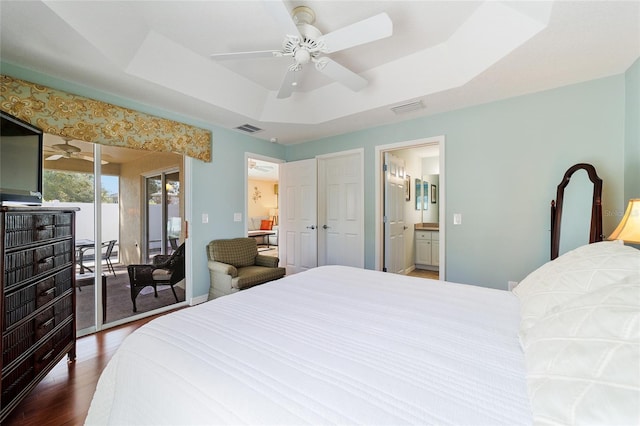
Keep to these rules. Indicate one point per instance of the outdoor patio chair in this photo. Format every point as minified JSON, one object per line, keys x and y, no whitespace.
{"x":106,"y":256}
{"x":165,"y":270}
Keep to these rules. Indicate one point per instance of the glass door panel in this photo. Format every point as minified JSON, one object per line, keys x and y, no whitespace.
{"x":154,"y":213}
{"x":68,"y":181}
{"x":163,"y":207}
{"x":174,"y":220}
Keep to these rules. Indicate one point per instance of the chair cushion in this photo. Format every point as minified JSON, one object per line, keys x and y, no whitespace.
{"x":266,"y":225}
{"x":238,"y":252}
{"x":254,"y":275}
{"x":161,"y":275}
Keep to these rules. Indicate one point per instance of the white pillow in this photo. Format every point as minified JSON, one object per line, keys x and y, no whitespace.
{"x":583,"y":359}
{"x":573,"y":274}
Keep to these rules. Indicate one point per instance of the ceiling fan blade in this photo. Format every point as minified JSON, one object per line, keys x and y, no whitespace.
{"x":288,"y":84}
{"x":365,"y":31}
{"x":279,"y":12}
{"x":246,"y":55}
{"x":54,"y":157}
{"x":342,"y":75}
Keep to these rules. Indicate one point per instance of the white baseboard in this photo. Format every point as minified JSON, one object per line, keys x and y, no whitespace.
{"x":199,"y":299}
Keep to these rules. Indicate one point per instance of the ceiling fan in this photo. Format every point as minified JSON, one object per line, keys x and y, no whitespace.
{"x":253,"y":165}
{"x":66,"y":150}
{"x":304,"y":43}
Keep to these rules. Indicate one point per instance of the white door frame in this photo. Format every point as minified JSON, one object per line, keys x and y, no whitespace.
{"x":379,"y":234}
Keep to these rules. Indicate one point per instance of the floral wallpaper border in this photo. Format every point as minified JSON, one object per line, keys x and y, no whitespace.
{"x":77,"y":117}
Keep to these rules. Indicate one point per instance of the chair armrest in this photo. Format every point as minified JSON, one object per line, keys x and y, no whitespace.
{"x":224,"y":268}
{"x":268,"y":261}
{"x":140,"y":273}
{"x":160,"y":259}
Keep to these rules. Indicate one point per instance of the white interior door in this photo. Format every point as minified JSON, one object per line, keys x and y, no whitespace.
{"x":394,"y":224}
{"x":340,"y":212}
{"x":298,"y":233}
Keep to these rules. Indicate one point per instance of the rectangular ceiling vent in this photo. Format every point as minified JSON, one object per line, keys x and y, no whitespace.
{"x":412,"y":106}
{"x":249,"y":128}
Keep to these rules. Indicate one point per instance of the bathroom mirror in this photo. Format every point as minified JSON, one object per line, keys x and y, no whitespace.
{"x":430,"y":198}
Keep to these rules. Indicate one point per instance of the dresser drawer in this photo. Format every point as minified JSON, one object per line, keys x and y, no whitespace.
{"x":27,"y":334}
{"x":20,"y":376}
{"x":27,"y":228}
{"x":27,"y":264}
{"x":20,"y":303}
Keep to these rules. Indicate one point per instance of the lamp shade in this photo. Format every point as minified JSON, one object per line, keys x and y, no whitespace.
{"x":629,"y":228}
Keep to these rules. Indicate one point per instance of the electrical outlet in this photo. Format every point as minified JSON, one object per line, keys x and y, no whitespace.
{"x":511,"y":285}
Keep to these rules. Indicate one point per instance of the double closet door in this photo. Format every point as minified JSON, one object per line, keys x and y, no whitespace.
{"x":322,"y":212}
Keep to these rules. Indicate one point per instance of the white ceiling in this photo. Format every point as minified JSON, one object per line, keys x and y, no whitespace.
{"x":448,"y":54}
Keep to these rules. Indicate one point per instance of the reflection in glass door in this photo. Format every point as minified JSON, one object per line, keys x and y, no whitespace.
{"x":69,"y":181}
{"x":163,"y":221}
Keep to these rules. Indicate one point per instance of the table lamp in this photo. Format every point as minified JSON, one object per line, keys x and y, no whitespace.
{"x":629,"y":228}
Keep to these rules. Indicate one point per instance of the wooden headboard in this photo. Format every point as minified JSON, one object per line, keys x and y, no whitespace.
{"x":595,"y":232}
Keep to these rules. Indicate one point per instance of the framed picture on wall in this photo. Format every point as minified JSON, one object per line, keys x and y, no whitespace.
{"x":407,"y":188}
{"x":434,"y":194}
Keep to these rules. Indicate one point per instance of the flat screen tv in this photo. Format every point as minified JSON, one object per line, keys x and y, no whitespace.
{"x":20,"y":162}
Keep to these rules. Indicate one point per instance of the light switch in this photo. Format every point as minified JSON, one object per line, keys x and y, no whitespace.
{"x":457,"y":218}
{"x":237,"y":217}
{"x":205,"y":218}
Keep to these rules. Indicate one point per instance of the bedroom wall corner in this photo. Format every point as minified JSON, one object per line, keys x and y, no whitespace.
{"x":632,"y":133}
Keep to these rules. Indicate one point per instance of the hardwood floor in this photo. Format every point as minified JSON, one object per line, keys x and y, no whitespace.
{"x":423,"y":273}
{"x":64,"y":396}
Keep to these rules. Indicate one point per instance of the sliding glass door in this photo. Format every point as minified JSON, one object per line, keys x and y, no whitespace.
{"x":162,"y":215}
{"x":126,"y":215}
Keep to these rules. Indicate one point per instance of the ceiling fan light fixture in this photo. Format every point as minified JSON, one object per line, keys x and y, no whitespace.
{"x":302,"y":56}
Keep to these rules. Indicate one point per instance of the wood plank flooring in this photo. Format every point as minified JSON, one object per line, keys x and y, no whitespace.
{"x":64,"y":396}
{"x":423,"y":273}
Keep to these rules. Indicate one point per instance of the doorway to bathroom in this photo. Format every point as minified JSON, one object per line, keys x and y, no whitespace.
{"x":414,"y":243}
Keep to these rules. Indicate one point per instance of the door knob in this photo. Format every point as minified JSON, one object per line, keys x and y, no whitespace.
{"x":311,"y":227}
{"x":325,"y":227}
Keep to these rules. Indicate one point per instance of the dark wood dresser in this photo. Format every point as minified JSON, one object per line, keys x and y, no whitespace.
{"x":38,"y":299}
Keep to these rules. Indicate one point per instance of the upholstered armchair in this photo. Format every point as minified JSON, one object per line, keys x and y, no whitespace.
{"x":235,"y":264}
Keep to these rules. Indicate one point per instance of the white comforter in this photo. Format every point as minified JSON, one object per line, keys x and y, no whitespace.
{"x":333,"y":345}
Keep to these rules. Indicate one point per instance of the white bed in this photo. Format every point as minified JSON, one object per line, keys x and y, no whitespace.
{"x":335,"y":345}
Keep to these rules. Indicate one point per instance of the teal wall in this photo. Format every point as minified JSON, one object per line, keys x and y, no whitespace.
{"x":632,"y":134}
{"x":504,"y":161}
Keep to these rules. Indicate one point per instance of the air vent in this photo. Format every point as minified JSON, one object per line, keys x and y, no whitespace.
{"x":412,"y":106}
{"x":249,"y":128}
